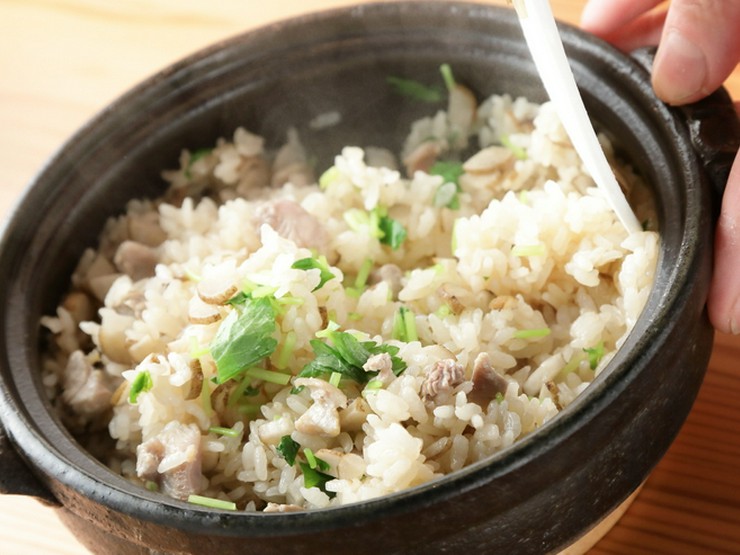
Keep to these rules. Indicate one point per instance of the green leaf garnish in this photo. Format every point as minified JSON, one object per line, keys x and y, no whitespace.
{"x":212,"y":503}
{"x":595,"y":354}
{"x":346,"y":356}
{"x":244,"y":338}
{"x":393,"y":232}
{"x":313,"y":478}
{"x":415,"y":89}
{"x":142,"y":382}
{"x":288,"y":449}
{"x":449,"y":79}
{"x":319,"y":264}
{"x":404,"y":325}
{"x":531,"y":334}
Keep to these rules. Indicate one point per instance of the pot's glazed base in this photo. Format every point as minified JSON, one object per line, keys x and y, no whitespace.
{"x":100,"y":541}
{"x":591,"y":538}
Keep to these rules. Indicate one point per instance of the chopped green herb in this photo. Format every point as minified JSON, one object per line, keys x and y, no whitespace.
{"x":378,"y":224}
{"x":374,"y":385}
{"x":142,"y":382}
{"x":329,"y":177}
{"x":354,"y":316}
{"x":194,"y":157}
{"x":404,"y":325}
{"x":524,"y":196}
{"x":319,"y":264}
{"x":414,"y":89}
{"x":449,"y":171}
{"x":269,"y":376}
{"x":443,"y":311}
{"x":531,"y":334}
{"x":240,"y":298}
{"x":346,"y":356}
{"x":447,"y":193}
{"x":288,"y":449}
{"x":449,"y":79}
{"x":212,"y":503}
{"x":572,"y":364}
{"x":393,"y":232}
{"x":363,"y":273}
{"x":286,"y":350}
{"x":244,"y":338}
{"x":313,"y":478}
{"x":228,"y":432}
{"x":595,"y":354}
{"x":330,"y":327}
{"x":315,"y":462}
{"x":499,"y":397}
{"x":516,"y":150}
{"x":335,"y":378}
{"x":528,"y":250}
{"x":297,"y":390}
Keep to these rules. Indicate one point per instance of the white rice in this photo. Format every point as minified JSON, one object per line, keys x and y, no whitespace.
{"x":532,"y":246}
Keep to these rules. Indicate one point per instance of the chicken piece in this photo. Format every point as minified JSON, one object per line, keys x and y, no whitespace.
{"x":487,"y":383}
{"x":145,"y":229}
{"x":354,"y":416}
{"x":444,"y":376}
{"x":322,"y":417}
{"x":488,"y":160}
{"x":391,"y":274}
{"x":172,"y":459}
{"x":383,"y":365}
{"x":87,"y":391}
{"x":136,"y":260}
{"x":422,"y":158}
{"x":291,"y":221}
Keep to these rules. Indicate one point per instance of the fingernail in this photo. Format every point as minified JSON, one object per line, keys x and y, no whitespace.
{"x":680,"y":69}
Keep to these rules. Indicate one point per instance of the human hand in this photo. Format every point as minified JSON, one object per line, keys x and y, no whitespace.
{"x":698,"y":47}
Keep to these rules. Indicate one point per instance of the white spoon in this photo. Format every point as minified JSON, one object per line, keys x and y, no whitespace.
{"x":546,"y":47}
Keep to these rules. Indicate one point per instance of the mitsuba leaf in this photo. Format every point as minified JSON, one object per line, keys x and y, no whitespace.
{"x":244,"y":338}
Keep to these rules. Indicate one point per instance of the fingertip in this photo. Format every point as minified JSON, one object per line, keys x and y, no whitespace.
{"x":679,"y":69}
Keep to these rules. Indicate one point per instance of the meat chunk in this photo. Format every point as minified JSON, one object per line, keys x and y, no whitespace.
{"x":291,"y":221}
{"x":383,"y":365}
{"x":135,"y":260}
{"x":444,"y":376}
{"x":86,"y":391}
{"x":422,"y":158}
{"x":487,"y":383}
{"x":322,"y":417}
{"x":389,"y":273}
{"x":172,"y":459}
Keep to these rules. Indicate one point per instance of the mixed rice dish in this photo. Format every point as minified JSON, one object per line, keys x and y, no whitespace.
{"x":266,"y":337}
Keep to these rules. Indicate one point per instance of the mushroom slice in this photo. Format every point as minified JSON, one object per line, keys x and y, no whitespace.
{"x":487,"y":383}
{"x":200,"y":312}
{"x":422,"y":158}
{"x":461,"y":106}
{"x":488,"y":160}
{"x":216,"y":290}
{"x":112,"y":335}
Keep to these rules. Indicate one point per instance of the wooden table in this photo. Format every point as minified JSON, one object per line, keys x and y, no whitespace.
{"x":63,"y":60}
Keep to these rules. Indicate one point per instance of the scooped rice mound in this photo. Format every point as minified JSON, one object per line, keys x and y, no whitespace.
{"x":265,"y":338}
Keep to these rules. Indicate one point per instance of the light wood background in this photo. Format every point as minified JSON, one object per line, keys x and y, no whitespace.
{"x":63,"y":60}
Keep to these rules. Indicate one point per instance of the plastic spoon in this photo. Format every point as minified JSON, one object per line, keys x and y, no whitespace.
{"x":546,"y":47}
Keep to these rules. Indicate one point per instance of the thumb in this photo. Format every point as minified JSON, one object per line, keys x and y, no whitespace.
{"x":699,"y":48}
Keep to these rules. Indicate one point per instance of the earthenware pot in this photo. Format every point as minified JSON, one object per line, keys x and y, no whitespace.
{"x":538,"y":496}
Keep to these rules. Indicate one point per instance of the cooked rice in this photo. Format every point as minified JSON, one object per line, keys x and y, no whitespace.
{"x":532,"y":268}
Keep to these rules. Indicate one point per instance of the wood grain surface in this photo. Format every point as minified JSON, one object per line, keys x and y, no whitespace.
{"x":61,"y":61}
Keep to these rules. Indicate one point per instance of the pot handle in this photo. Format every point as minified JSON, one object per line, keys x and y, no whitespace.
{"x":713,"y":125}
{"x":15,"y":476}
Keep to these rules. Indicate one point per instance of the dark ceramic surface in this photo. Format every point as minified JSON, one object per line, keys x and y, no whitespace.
{"x":535,"y":498}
